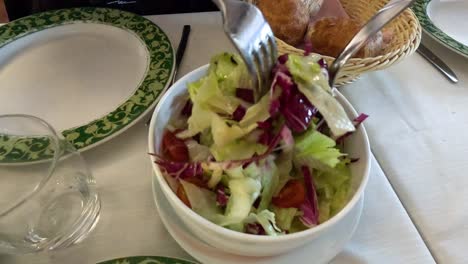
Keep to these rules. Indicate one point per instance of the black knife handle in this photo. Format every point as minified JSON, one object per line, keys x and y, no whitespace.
{"x":182,"y":45}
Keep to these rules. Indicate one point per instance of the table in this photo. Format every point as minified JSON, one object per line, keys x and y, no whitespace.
{"x":418,"y":133}
{"x":130,"y":225}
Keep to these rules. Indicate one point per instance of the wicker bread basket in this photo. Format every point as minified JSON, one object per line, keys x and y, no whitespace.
{"x":406,"y":38}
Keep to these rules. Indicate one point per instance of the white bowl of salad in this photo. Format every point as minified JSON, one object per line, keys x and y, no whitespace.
{"x":261,"y":174}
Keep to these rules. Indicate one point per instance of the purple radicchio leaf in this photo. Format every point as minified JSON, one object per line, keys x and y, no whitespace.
{"x":264,"y":124}
{"x":187,"y":110}
{"x":307,"y":48}
{"x":221,"y":197}
{"x":292,"y":104}
{"x":179,"y":170}
{"x":288,"y":139}
{"x":255,"y":229}
{"x":245,"y":94}
{"x":283,"y":58}
{"x":323,"y":64}
{"x":274,"y":107}
{"x":239,"y":113}
{"x":310,"y":206}
{"x":266,"y":134}
{"x":356,"y":121}
{"x":265,"y":138}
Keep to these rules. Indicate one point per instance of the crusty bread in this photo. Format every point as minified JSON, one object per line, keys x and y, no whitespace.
{"x":330,"y":35}
{"x":312,"y":5}
{"x":322,"y":22}
{"x":288,"y":19}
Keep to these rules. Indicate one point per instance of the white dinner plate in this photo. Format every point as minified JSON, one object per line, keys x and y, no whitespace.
{"x":445,"y":21}
{"x":89,"y":72}
{"x":146,"y":260}
{"x":210,"y":255}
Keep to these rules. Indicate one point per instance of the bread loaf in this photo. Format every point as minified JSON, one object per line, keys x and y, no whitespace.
{"x":330,"y":35}
{"x":289,"y":19}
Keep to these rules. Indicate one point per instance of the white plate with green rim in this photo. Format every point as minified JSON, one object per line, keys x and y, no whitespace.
{"x":445,"y":21}
{"x":147,"y":260}
{"x":90,"y":72}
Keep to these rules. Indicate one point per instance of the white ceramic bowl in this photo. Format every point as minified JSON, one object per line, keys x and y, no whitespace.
{"x":329,"y":237}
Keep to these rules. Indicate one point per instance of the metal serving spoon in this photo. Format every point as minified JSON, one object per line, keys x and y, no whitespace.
{"x":391,"y":10}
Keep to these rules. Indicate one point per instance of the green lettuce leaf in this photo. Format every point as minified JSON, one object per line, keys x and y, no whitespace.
{"x":197,"y":152}
{"x":230,"y":72}
{"x":314,"y":85}
{"x":223,"y":134}
{"x":252,"y":171}
{"x":235,"y":173}
{"x":244,"y":192}
{"x":198,"y":121}
{"x":207,"y":93}
{"x":236,"y":150}
{"x":206,"y":139}
{"x":333,"y":189}
{"x":215,"y":172}
{"x":284,"y":217}
{"x":316,"y":150}
{"x":284,"y":163}
{"x":307,"y":69}
{"x":202,"y":201}
{"x":258,"y":112}
{"x":268,"y":174}
{"x":214,"y":93}
{"x":269,"y":178}
{"x":267,"y":220}
{"x":213,"y":96}
{"x":297,"y":225}
{"x":324,"y":210}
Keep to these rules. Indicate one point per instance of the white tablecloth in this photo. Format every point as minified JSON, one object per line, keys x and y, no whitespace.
{"x":130,"y":224}
{"x":418,"y":128}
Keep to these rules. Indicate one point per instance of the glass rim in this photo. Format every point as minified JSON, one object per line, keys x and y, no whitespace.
{"x":57,"y":153}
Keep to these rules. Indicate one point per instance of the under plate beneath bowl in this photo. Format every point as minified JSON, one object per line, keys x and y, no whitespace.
{"x":208,"y":254}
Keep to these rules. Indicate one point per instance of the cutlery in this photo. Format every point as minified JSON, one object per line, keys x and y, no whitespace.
{"x":253,"y":38}
{"x":179,"y":55}
{"x":378,"y":21}
{"x":437,"y":63}
{"x":181,"y":50}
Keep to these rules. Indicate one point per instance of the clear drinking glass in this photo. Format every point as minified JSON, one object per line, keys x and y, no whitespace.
{"x":48,"y":197}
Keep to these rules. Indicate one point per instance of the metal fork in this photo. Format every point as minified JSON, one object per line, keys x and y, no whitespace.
{"x":253,"y":38}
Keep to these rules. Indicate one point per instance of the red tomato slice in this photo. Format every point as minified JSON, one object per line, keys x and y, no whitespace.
{"x":183,"y":195}
{"x":174,"y":147}
{"x":292,"y":195}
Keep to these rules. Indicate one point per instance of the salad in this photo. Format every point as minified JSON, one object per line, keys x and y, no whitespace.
{"x":263,"y":164}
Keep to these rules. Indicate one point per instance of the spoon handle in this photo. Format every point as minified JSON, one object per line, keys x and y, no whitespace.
{"x":391,"y":10}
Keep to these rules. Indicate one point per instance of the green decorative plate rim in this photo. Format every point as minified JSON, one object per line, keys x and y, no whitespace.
{"x":420,"y":9}
{"x":147,"y":260}
{"x":159,"y":72}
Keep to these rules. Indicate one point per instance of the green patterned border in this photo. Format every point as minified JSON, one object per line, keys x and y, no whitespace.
{"x":20,"y":149}
{"x":147,"y":260}
{"x":420,"y":9}
{"x":160,"y":70}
